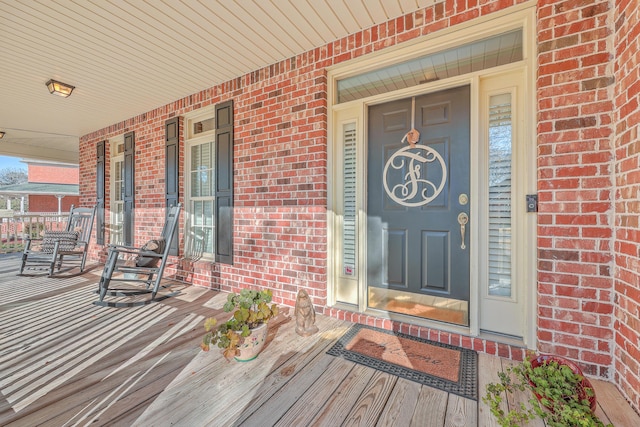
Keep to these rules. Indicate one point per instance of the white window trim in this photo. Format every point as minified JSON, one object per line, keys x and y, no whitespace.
{"x":189,"y":141}
{"x":114,"y":158}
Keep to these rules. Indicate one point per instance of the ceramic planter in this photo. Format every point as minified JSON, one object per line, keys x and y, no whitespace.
{"x":543,"y":359}
{"x":252,"y":345}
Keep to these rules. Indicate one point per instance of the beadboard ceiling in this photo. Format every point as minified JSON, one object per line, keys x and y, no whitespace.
{"x":126,"y":57}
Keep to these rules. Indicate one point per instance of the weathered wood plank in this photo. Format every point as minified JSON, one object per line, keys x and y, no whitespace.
{"x":338,"y":407}
{"x":612,"y":407}
{"x":515,"y":398}
{"x":137,"y":383}
{"x":281,"y":375}
{"x":221,"y":379}
{"x":431,"y":408}
{"x":461,"y":412}
{"x":401,"y":404}
{"x":109,"y":373}
{"x":488,"y":374}
{"x":143,"y":366}
{"x":369,"y":406}
{"x":306,"y":406}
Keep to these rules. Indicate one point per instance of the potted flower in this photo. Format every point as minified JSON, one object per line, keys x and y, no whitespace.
{"x":244,"y":334}
{"x":562,"y":395}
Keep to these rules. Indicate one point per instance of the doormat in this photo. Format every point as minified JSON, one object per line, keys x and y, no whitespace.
{"x":445,"y":367}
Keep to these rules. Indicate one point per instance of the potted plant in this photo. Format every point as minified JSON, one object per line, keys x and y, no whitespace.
{"x":563,"y":397}
{"x":244,"y":334}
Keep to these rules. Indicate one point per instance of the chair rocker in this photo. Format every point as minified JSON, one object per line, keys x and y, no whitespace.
{"x":144,"y":264}
{"x":57,"y":246}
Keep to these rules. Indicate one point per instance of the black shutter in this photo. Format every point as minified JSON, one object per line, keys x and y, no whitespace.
{"x":100,"y":191}
{"x":224,"y":182}
{"x":171,"y":169}
{"x":129,"y":187}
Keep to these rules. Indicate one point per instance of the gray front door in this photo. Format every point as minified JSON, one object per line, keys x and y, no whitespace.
{"x":418,"y":197}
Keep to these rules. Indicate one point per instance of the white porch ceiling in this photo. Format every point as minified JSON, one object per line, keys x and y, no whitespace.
{"x":127,"y":57}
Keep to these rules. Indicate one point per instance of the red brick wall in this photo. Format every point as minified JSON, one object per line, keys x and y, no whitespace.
{"x":42,"y":203}
{"x":627,"y":170}
{"x":280,"y":159}
{"x":575,"y":230}
{"x":52,"y":174}
{"x":281,"y":185}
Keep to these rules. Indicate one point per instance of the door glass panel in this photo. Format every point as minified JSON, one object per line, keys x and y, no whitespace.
{"x":500,"y":143}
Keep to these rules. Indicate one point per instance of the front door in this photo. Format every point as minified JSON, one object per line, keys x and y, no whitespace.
{"x":418,"y":206}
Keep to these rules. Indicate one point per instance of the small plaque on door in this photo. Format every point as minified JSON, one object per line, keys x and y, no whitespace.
{"x":349,"y":270}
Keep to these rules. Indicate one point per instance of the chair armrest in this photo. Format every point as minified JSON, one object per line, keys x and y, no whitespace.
{"x":123,"y":249}
{"x":133,"y":251}
{"x":120,"y":248}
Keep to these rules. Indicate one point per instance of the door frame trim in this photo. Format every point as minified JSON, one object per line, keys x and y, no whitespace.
{"x":521,"y":16}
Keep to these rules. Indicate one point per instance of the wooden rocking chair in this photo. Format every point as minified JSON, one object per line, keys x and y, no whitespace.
{"x":144,"y":264}
{"x":58,"y":246}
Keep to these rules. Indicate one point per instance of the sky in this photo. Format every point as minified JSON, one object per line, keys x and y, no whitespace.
{"x":12,"y":162}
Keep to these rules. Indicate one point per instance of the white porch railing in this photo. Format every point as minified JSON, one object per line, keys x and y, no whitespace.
{"x":14,"y":228}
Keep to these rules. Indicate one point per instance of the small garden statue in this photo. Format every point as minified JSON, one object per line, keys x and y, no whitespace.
{"x":305,"y":315}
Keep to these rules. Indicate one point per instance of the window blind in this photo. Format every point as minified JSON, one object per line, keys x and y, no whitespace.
{"x":500,"y":143}
{"x":349,"y":199}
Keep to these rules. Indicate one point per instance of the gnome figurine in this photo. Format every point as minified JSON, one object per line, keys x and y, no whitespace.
{"x":305,"y":315}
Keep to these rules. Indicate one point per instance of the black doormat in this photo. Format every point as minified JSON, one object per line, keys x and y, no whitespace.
{"x":443,"y":366}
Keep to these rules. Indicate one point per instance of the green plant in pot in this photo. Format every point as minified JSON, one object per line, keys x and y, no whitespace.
{"x":244,"y":334}
{"x":563,"y":397}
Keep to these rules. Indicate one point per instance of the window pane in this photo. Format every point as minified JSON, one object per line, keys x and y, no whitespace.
{"x":116,"y":235}
{"x":203,"y":126}
{"x":199,"y":234}
{"x":202,"y":228}
{"x":500,"y":143}
{"x":201,"y":170}
{"x":208,"y":213}
{"x":349,"y":200}
{"x":195,"y":157}
{"x":118,"y":182}
{"x":196,"y":213}
{"x":205,"y":159}
{"x":205,"y":182}
{"x":479,"y":55}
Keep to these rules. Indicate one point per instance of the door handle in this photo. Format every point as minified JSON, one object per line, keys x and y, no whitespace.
{"x":463,"y":219}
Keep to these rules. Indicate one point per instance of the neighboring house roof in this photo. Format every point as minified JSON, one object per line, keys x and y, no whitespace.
{"x":36,"y":188}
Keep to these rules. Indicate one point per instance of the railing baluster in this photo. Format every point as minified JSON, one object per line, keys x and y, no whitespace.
{"x":15,"y":227}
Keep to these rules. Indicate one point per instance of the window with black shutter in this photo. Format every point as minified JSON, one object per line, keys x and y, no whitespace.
{"x":224,"y":182}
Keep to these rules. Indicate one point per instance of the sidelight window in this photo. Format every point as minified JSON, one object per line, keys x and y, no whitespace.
{"x":500,"y":155}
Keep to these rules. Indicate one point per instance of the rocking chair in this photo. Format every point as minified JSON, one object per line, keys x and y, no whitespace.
{"x":56,"y":246}
{"x":144,"y":264}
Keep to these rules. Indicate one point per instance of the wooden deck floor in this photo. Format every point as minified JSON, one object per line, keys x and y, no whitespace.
{"x":65,"y":361}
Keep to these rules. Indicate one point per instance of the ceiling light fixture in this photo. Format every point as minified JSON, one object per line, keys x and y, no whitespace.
{"x":1,"y":134}
{"x":59,"y":88}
